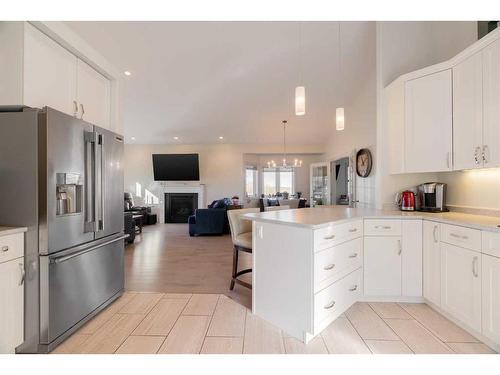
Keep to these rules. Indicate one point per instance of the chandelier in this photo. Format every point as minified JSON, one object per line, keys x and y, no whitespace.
{"x":285,"y":163}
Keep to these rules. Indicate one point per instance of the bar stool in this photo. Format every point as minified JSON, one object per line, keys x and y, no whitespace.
{"x":241,"y":234}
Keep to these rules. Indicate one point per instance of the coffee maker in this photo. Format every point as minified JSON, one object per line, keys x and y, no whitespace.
{"x":431,"y":197}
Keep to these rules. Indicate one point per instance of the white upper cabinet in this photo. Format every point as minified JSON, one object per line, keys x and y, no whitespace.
{"x":468,"y":113}
{"x":49,"y":73}
{"x":56,"y":78}
{"x":491,"y":104}
{"x":93,"y":95}
{"x":428,"y":123}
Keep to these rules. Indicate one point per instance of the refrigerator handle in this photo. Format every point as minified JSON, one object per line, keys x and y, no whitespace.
{"x":99,"y":180}
{"x":90,"y":212}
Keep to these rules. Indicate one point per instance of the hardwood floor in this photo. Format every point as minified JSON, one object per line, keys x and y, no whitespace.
{"x":149,"y":323}
{"x":164,"y":258}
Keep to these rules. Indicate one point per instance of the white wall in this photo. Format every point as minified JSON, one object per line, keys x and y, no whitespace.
{"x":221,"y":166}
{"x":360,"y":126}
{"x":403,"y":47}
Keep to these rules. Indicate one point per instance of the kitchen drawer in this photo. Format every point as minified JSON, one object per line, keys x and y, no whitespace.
{"x":335,"y":262}
{"x":11,"y":247}
{"x":338,"y":297}
{"x":382,"y":227}
{"x":461,"y":236}
{"x":335,"y":234}
{"x":491,"y":243}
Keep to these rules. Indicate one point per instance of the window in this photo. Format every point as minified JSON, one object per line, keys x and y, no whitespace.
{"x":278,"y":180}
{"x":270,"y":181}
{"x":286,"y":178}
{"x":251,"y":182}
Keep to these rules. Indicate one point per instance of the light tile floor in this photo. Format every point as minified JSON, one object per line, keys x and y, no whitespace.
{"x":169,"y":323}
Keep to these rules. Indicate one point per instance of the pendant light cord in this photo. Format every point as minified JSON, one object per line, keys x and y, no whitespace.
{"x":340,"y":67}
{"x":284,"y":143}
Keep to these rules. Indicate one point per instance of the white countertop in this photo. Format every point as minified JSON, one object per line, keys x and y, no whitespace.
{"x":5,"y":231}
{"x":322,"y":216}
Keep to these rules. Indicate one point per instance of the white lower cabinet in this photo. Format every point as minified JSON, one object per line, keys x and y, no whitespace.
{"x":382,"y":266}
{"x":461,"y":284}
{"x":491,"y":298}
{"x":11,"y":293}
{"x":431,"y":262}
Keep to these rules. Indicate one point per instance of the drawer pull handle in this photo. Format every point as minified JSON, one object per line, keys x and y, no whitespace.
{"x":459,"y":236}
{"x":400,"y":247}
{"x":353,"y":255}
{"x":329,"y":267}
{"x":329,"y":306}
{"x":5,"y":249}
{"x":352,"y":230}
{"x":355,"y":287}
{"x":382,"y":227}
{"x":23,"y":274}
{"x":434,"y":231}
{"x":330,"y":237}
{"x":474,"y":267}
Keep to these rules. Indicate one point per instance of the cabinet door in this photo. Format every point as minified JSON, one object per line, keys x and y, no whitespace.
{"x":411,"y":262}
{"x":461,"y":284}
{"x":491,"y":298}
{"x":432,"y":263}
{"x":11,"y":305}
{"x":93,"y":92}
{"x":49,"y":73}
{"x":468,"y":113}
{"x":491,"y":100}
{"x":382,"y":266}
{"x":428,"y":123}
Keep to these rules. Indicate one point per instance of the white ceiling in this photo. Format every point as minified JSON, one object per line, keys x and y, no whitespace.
{"x":201,"y":80}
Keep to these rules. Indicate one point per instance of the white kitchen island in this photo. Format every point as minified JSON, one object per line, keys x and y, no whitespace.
{"x":310,"y":265}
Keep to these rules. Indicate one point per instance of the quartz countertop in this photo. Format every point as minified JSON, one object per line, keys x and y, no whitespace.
{"x":5,"y":231}
{"x":322,"y":216}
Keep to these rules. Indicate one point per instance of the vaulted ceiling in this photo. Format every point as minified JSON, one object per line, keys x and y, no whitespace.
{"x":201,"y":80}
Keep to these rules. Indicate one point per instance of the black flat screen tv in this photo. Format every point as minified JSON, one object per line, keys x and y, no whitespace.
{"x":176,"y":167}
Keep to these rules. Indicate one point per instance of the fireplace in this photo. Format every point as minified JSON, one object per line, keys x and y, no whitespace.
{"x":179,"y":206}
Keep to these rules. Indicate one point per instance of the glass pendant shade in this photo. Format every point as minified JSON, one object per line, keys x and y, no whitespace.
{"x":339,"y":118}
{"x":300,"y":100}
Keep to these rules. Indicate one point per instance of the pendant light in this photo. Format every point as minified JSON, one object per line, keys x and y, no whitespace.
{"x":300,"y":91}
{"x":285,"y":164}
{"x":339,"y":112}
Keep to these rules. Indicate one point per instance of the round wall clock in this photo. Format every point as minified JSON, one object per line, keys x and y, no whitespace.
{"x":363,"y":162}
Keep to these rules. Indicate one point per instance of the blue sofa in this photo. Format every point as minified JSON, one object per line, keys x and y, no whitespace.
{"x":211,"y":220}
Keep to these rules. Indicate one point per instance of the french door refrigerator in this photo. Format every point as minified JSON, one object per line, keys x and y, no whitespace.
{"x":62,"y":178}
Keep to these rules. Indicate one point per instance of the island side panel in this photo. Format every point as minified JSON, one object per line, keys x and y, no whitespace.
{"x":283,"y":276}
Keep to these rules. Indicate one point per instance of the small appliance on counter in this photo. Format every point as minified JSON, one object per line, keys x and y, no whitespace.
{"x":406,"y":200}
{"x":431,"y":197}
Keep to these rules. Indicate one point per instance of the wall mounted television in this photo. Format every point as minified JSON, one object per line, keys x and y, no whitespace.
{"x":176,"y":167}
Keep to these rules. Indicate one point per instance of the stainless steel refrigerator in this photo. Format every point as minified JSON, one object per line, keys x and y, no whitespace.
{"x":62,"y":178}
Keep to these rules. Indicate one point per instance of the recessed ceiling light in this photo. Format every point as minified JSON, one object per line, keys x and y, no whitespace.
{"x":176,"y":138}
{"x":132,"y":138}
{"x":127,"y":73}
{"x":221,"y":137}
